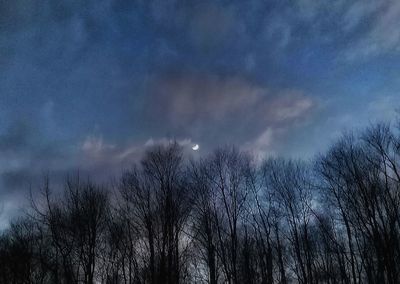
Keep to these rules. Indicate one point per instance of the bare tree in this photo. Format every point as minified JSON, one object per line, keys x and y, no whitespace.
{"x":227,"y":174}
{"x":157,"y":202}
{"x":292,"y":194}
{"x":220,"y":219}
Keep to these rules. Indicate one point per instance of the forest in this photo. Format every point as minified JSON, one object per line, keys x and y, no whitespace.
{"x":222,"y":218}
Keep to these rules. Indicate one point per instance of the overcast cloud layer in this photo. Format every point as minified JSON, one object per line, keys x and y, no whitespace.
{"x":89,"y":85}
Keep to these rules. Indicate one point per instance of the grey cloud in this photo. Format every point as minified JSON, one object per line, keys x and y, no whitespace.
{"x":15,"y":179}
{"x":15,"y":137}
{"x":27,"y":152}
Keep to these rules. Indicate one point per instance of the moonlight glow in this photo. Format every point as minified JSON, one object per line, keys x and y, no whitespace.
{"x":195,"y":147}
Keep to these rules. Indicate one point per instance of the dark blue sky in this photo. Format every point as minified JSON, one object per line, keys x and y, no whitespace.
{"x":89,"y":84}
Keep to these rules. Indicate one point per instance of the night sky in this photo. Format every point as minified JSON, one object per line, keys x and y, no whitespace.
{"x":89,"y":85}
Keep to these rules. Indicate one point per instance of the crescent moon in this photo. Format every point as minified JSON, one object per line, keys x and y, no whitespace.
{"x":195,"y":147}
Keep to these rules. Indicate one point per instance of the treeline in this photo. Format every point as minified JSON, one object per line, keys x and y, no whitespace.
{"x":220,"y":219}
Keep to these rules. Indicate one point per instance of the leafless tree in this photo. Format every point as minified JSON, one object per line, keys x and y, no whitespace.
{"x":220,"y":219}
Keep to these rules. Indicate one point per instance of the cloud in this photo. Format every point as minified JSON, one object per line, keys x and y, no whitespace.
{"x":359,"y":30}
{"x":264,"y":144}
{"x":279,"y":31}
{"x":383,"y":108}
{"x":27,"y":155}
{"x":211,"y":26}
{"x":358,"y":12}
{"x":380,"y":34}
{"x":220,"y":110}
{"x":103,"y":160}
{"x":15,"y":138}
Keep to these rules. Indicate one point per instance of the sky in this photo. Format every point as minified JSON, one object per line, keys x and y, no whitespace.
{"x":89,"y":85}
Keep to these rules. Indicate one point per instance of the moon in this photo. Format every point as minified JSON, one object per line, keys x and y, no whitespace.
{"x":195,"y":147}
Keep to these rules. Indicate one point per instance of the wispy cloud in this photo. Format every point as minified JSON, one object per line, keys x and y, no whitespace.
{"x":377,"y":22}
{"x":104,"y":160}
{"x":221,"y":110}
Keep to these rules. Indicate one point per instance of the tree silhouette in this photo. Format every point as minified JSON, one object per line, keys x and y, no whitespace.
{"x":223,"y":218}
